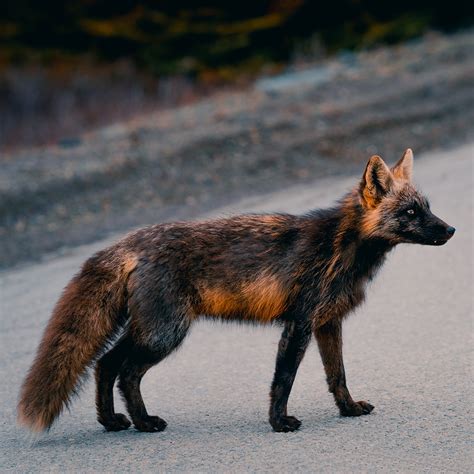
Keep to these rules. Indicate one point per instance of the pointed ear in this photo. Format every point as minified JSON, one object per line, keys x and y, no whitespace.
{"x":404,"y":168}
{"x":376,"y":181}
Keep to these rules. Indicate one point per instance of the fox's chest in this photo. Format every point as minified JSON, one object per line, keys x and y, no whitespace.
{"x":338,"y":300}
{"x":344,"y":289}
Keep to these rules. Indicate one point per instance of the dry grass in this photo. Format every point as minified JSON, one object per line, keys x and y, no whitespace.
{"x":41,"y":105}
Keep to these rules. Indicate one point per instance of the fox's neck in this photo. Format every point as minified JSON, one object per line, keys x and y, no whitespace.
{"x":344,"y":252}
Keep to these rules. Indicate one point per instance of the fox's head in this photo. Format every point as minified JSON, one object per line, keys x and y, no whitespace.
{"x":394,"y":209}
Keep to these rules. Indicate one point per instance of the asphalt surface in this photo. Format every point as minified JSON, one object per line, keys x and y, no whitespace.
{"x":408,"y":351}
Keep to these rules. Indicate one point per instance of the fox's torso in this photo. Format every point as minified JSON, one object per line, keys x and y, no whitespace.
{"x":260,"y":268}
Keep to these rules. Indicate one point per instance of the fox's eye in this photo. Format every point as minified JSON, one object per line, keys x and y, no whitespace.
{"x":411,"y":212}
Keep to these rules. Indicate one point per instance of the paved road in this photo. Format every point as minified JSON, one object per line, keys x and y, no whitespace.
{"x":408,"y":351}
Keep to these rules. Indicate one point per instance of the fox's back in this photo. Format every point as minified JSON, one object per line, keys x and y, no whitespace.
{"x":244,"y":241}
{"x":228,"y":267}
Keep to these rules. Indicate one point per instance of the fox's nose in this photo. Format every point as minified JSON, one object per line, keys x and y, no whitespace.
{"x":450,"y":231}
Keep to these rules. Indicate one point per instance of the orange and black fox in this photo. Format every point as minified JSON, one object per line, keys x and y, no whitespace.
{"x":306,"y":272}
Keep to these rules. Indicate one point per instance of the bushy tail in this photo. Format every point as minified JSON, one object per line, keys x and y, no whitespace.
{"x":90,"y":311}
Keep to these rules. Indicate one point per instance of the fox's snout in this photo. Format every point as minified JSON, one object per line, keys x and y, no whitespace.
{"x":439,"y":232}
{"x":449,"y":232}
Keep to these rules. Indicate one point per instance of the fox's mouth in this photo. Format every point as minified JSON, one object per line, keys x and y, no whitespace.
{"x":439,"y":238}
{"x":432,"y":241}
{"x":439,"y":241}
{"x":445,"y":238}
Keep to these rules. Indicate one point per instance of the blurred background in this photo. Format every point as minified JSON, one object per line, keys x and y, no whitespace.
{"x":73,"y":65}
{"x":117,"y":114}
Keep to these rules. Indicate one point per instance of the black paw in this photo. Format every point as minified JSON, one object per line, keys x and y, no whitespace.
{"x":284,"y":424}
{"x":118,"y":422}
{"x":356,"y":408}
{"x":150,"y":424}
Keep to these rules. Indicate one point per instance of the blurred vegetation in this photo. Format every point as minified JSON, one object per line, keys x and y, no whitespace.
{"x":70,"y":66}
{"x":199,"y":38}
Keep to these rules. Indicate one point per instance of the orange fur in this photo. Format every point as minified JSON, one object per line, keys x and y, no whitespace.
{"x":129,"y":264}
{"x":263,"y":299}
{"x":370,"y":221}
{"x":369,"y":199}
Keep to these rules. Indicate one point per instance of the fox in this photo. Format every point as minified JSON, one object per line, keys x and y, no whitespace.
{"x":132,"y":304}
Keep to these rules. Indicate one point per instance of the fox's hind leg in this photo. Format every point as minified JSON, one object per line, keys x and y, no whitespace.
{"x":291,"y":349}
{"x":157,"y":329}
{"x":106,"y":372}
{"x":131,"y":361}
{"x":160,"y":316}
{"x":129,"y":384}
{"x":138,"y":361}
{"x":329,"y":339}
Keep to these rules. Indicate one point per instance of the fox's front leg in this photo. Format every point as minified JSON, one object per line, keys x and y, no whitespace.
{"x":291,"y":349}
{"x":329,"y":337}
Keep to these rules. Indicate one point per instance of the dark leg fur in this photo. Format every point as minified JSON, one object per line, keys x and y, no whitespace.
{"x":106,"y":372}
{"x":329,"y":339}
{"x":157,"y":327}
{"x":131,"y":375}
{"x":130,"y":361}
{"x":291,"y":349}
{"x":141,"y":358}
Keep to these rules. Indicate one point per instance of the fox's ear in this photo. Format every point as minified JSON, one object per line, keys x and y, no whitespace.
{"x":376,"y":181}
{"x":404,"y":168}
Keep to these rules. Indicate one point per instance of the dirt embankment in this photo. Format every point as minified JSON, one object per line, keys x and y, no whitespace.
{"x":297,"y":127}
